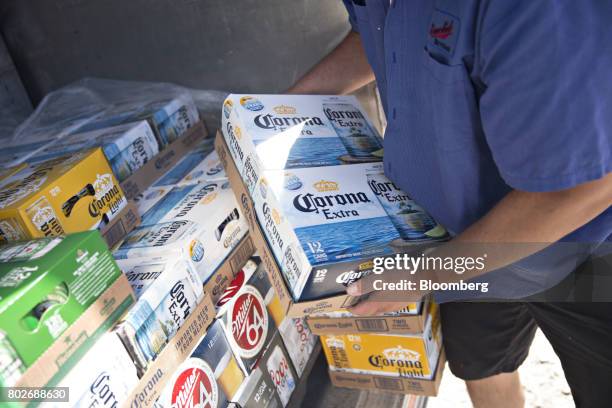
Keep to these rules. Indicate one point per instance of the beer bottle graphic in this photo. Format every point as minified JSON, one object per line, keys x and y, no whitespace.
{"x":353,"y":130}
{"x":410,"y":220}
{"x":67,"y":207}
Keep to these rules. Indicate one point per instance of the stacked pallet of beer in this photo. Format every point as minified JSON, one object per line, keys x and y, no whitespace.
{"x":179,"y":313}
{"x":307,"y":172}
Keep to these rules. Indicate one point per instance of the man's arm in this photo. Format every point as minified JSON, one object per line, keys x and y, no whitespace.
{"x":535,"y":219}
{"x":344,"y":70}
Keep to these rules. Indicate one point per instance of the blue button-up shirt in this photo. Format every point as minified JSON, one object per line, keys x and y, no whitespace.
{"x":486,"y":96}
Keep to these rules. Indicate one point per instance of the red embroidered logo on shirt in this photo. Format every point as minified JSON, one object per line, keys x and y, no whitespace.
{"x":442,"y":33}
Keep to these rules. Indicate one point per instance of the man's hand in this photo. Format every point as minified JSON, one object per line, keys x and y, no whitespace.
{"x":376,"y":302}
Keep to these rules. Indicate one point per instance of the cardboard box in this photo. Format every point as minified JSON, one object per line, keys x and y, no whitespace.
{"x":104,"y":377}
{"x":179,"y":348}
{"x":397,"y":385}
{"x":291,"y":308}
{"x":46,"y":285}
{"x":201,"y":163}
{"x":256,"y":391}
{"x":69,"y":194}
{"x":410,"y":322}
{"x":325,"y":225}
{"x":167,"y":292}
{"x":212,"y":207}
{"x":126,"y":220}
{"x":407,"y":356}
{"x":299,"y":341}
{"x":210,"y":377}
{"x":245,"y":317}
{"x":74,"y":342}
{"x":276,"y":361}
{"x":127,"y":147}
{"x":169,"y":156}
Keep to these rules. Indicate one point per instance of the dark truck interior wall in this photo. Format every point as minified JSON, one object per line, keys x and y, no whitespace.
{"x":15,"y":105}
{"x":233,"y":45}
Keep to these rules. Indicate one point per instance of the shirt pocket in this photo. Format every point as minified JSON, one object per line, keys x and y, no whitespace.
{"x":453,"y":104}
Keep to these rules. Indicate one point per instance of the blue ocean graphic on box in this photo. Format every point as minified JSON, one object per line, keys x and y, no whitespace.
{"x":344,"y":240}
{"x":293,"y":131}
{"x":202,"y":163}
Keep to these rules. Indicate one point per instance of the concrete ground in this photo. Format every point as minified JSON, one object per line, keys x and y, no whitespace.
{"x":541,"y":375}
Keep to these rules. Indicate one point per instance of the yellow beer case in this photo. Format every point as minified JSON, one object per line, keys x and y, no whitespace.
{"x":68,"y":194}
{"x":407,"y":356}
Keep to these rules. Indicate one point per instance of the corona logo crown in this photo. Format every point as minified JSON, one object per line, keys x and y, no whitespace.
{"x":401,"y":354}
{"x":238,"y":132}
{"x":285,"y":110}
{"x":325,"y":185}
{"x":102,"y":184}
{"x":42,"y":215}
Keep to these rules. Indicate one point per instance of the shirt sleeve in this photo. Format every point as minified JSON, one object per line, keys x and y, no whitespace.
{"x":348,"y":4}
{"x":546,"y":108}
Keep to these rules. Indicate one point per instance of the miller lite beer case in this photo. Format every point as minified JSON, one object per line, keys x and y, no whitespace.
{"x":244,"y":314}
{"x":127,"y":147}
{"x":405,"y":356}
{"x":68,"y":194}
{"x":210,"y":377}
{"x":167,"y":291}
{"x":104,"y":377}
{"x":213,"y":226}
{"x":312,"y":167}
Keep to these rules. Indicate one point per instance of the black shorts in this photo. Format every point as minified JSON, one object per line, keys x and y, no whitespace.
{"x":484,"y":339}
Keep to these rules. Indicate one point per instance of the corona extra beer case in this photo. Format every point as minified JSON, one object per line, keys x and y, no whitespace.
{"x":403,"y":356}
{"x":45,"y":286}
{"x":63,"y":195}
{"x":244,"y":313}
{"x":410,"y":320}
{"x":200,"y":163}
{"x":104,"y":377}
{"x":311,"y":165}
{"x":213,"y":226}
{"x":276,"y":132}
{"x":168,"y":290}
{"x":169,"y":119}
{"x":210,"y":377}
{"x":127,"y":147}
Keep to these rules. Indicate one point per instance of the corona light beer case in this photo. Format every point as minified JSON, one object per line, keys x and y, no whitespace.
{"x":104,"y":377}
{"x":210,"y":377}
{"x":200,"y":221}
{"x":404,"y":356}
{"x":243,"y":312}
{"x":63,"y":195}
{"x":45,"y":286}
{"x":127,"y":147}
{"x":167,"y":292}
{"x":410,"y":320}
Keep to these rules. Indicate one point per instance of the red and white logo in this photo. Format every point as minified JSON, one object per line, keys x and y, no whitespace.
{"x":194,"y":386}
{"x":232,"y":288}
{"x":249,"y":322}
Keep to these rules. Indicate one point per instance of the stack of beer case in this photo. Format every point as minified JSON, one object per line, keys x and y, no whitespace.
{"x":251,"y":356}
{"x":308,"y":172}
{"x":59,"y":298}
